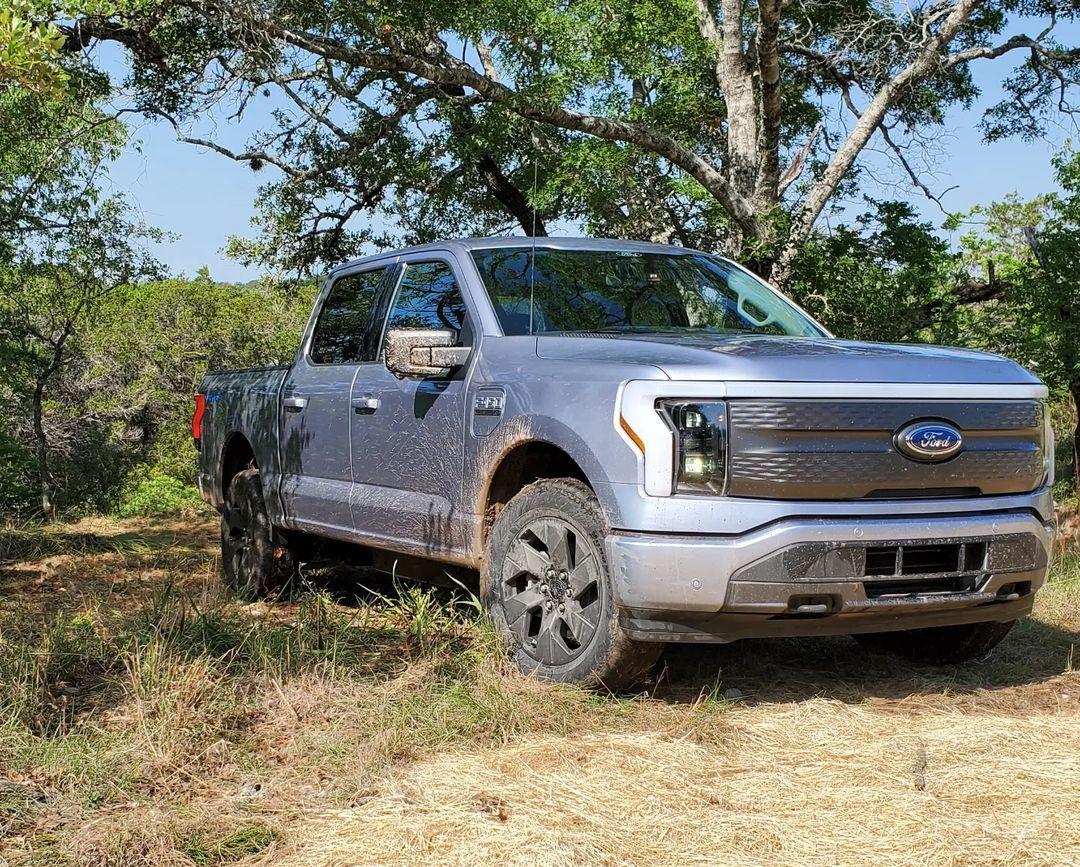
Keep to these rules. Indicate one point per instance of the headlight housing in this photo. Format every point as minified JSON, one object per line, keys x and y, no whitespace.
{"x":1048,"y":444}
{"x":701,"y":445}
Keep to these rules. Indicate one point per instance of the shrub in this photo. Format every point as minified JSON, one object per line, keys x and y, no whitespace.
{"x":150,"y":491}
{"x":18,"y":492}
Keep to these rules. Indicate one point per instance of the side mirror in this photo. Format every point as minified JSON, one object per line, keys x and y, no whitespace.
{"x":418,"y":352}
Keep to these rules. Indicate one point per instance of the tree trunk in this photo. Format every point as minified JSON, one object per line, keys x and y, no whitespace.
{"x":1074,"y":390}
{"x":737,"y":82}
{"x":41,"y":452}
{"x":735,"y":78}
{"x":767,"y":192}
{"x":510,"y":197}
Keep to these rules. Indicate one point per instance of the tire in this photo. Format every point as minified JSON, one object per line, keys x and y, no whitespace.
{"x":254,"y":563}
{"x":546,"y":584}
{"x":940,"y":645}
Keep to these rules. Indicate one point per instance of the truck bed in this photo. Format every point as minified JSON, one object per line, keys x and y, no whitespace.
{"x":242,"y":402}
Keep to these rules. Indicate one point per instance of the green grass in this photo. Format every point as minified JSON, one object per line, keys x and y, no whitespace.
{"x":243,"y":843}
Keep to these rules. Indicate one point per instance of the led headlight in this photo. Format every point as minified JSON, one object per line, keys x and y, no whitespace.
{"x":700,"y":459}
{"x":1047,"y":445}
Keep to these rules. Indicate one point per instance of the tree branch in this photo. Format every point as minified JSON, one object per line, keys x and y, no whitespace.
{"x":137,"y":41}
{"x":798,"y":162}
{"x":436,"y":65}
{"x":254,"y":157}
{"x":925,"y":62}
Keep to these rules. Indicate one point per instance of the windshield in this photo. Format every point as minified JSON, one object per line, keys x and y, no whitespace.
{"x":628,"y":291}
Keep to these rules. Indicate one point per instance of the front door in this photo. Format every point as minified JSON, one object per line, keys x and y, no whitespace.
{"x":408,"y":436}
{"x":315,"y":415}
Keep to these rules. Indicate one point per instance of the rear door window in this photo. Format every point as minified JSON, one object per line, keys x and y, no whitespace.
{"x":343,"y":331}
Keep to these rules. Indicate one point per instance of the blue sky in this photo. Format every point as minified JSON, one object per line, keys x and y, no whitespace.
{"x":203,"y":197}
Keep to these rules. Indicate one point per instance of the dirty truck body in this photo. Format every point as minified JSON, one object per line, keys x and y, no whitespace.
{"x":637,"y":444}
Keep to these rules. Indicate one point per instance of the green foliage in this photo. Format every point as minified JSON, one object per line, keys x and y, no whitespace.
{"x":17,"y":472}
{"x":150,"y":491}
{"x":30,"y":52}
{"x":382,"y":133}
{"x":119,"y":425}
{"x":1063,"y":416}
{"x":151,"y":344}
{"x":888,"y":276}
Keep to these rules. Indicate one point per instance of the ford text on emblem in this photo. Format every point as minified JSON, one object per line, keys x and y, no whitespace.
{"x":928,"y":441}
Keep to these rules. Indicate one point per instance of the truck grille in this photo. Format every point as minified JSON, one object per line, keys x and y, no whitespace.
{"x":837,"y":450}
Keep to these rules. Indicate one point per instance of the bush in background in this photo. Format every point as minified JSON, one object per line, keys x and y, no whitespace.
{"x":151,"y":491}
{"x":118,"y":421}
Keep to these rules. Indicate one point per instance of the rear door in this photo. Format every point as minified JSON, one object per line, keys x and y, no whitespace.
{"x":408,"y":436}
{"x":315,"y":415}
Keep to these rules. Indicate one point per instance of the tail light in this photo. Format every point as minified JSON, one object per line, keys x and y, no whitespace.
{"x":197,"y":418}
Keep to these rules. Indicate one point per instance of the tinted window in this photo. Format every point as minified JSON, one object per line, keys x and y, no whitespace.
{"x":341,"y":333}
{"x":428,"y":297}
{"x":626,"y":290}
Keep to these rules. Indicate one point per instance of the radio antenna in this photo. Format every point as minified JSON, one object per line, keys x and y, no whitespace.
{"x":532,"y":255}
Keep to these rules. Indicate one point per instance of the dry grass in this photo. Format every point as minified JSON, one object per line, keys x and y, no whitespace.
{"x":1069,"y":524}
{"x":813,"y":783}
{"x":147,"y":718}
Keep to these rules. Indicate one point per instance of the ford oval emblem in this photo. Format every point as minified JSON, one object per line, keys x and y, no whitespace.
{"x":929,"y":441}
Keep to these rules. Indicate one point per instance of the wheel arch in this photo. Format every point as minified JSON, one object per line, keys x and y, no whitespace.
{"x":236,"y":455}
{"x":521,"y":463}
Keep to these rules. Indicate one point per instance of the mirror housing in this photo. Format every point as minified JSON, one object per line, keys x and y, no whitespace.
{"x":415,"y":353}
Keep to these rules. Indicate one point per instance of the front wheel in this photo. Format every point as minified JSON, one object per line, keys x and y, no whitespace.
{"x":940,"y":645}
{"x":547,"y":586}
{"x":254,"y":563}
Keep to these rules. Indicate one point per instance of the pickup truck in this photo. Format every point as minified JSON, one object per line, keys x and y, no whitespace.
{"x":635,"y":444}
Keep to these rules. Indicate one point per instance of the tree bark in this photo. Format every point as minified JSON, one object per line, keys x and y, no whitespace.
{"x":767,"y":186}
{"x":1074,"y":390}
{"x":736,"y":81}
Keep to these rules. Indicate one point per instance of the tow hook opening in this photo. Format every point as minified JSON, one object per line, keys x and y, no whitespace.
{"x":813,"y":606}
{"x":1008,"y":592}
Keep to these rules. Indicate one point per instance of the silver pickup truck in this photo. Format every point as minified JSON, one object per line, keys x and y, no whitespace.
{"x":636,"y":444}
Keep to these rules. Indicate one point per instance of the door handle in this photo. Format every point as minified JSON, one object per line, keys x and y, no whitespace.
{"x":294,"y":404}
{"x":365,"y":405}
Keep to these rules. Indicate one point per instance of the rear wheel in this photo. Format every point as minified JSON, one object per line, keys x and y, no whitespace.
{"x":940,"y":645}
{"x":255,"y":564}
{"x":547,"y":587}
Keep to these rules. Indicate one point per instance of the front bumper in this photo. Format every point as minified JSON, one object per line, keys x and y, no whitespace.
{"x":802,"y":576}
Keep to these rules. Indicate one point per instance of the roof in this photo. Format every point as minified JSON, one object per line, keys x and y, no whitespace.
{"x":550,"y":243}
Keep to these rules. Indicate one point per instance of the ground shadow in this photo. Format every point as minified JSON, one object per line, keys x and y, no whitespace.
{"x":783,"y":669}
{"x":361,"y":583}
{"x":795,"y":669}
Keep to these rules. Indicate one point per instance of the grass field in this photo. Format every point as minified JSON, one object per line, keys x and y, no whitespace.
{"x":148,"y":718}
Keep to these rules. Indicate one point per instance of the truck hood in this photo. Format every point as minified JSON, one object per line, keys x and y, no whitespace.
{"x":786,"y":359}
